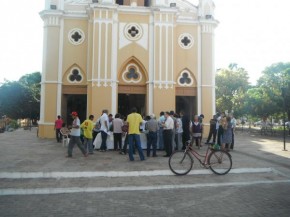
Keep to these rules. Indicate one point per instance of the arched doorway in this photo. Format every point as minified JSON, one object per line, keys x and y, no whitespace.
{"x":132,"y":88}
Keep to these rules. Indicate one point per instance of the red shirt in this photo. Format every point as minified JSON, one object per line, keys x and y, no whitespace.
{"x":58,"y":123}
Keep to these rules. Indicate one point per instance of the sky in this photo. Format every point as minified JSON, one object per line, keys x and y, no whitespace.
{"x":252,"y":33}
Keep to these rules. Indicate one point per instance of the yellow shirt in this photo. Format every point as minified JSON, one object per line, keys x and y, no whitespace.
{"x":134,"y":120}
{"x":88,"y":127}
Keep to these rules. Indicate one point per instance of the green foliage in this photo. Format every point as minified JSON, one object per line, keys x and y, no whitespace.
{"x":232,"y":84}
{"x":13,"y":124}
{"x":21,"y":99}
{"x":275,"y":84}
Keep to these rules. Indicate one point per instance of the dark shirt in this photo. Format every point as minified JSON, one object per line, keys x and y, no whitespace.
{"x":185,"y":124}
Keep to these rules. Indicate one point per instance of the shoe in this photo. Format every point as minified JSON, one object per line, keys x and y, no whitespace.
{"x":68,"y":156}
{"x":91,"y":152}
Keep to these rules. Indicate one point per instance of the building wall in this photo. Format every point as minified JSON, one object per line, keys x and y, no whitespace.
{"x":173,"y":44}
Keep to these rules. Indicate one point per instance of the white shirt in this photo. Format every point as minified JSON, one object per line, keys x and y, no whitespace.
{"x":76,"y":131}
{"x":218,"y":122}
{"x":104,"y":118}
{"x":169,"y":123}
{"x":179,"y":126}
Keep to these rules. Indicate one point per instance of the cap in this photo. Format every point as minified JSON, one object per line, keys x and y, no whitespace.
{"x":74,"y":113}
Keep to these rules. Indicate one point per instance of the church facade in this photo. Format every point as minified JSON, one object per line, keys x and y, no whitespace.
{"x":154,"y":55}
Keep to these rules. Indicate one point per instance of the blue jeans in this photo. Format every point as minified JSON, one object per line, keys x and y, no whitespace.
{"x":151,"y":140}
{"x":131,"y":139}
{"x":104,"y":140}
{"x":161,"y":141}
{"x":88,"y":145}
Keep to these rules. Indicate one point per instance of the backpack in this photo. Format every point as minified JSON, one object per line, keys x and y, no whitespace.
{"x":97,"y":126}
{"x":125,"y":128}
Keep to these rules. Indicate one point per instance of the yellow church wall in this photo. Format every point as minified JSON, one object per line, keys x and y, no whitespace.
{"x":52,"y":52}
{"x":100,"y":98}
{"x":164,"y":100}
{"x":133,"y":17}
{"x":50,"y":102}
{"x":207,"y":56}
{"x":75,"y":54}
{"x":187,"y":57}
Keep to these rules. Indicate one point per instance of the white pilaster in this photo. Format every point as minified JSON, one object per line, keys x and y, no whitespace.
{"x":199,"y":68}
{"x":151,"y":64}
{"x":60,"y":62}
{"x":114,"y":63}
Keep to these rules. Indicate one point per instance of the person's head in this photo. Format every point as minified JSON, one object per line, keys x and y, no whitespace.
{"x":171,"y":113}
{"x":167,"y":114}
{"x":58,"y":117}
{"x":91,"y":117}
{"x":152,"y":116}
{"x":134,"y":110}
{"x":117,"y":115}
{"x":181,"y":113}
{"x":74,"y":115}
{"x":161,"y":114}
{"x":201,"y":116}
{"x":176,"y":115}
{"x":228,"y":118}
{"x":106,"y":111}
{"x":110,"y":117}
{"x":147,"y":118}
{"x":195,"y":118}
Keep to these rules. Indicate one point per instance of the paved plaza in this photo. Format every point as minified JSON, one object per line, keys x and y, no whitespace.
{"x":37,"y":180}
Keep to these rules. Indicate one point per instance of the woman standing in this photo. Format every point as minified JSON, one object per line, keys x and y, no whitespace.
{"x":196,"y":131}
{"x":226,"y":138}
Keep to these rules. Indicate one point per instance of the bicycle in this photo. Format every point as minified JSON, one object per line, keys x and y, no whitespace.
{"x":218,"y":161}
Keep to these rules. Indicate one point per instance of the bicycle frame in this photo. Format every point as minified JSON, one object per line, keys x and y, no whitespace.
{"x":199,"y":156}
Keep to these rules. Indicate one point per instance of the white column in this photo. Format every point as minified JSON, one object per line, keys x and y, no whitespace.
{"x":151,"y":64}
{"x":199,"y":69}
{"x":60,"y":61}
{"x":114,"y":62}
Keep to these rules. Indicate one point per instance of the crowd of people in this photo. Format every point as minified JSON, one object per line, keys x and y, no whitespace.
{"x":169,"y":132}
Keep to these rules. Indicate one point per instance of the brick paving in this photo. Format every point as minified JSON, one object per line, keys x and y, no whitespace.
{"x":264,"y":194}
{"x":267,"y":200}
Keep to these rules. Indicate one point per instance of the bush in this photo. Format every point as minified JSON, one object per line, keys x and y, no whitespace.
{"x":13,"y":124}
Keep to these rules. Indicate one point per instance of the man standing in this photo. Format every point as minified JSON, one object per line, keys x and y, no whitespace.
{"x":234,"y":124}
{"x":212,"y":130}
{"x":167,"y":134}
{"x":152,"y":127}
{"x":88,"y":127}
{"x":117,"y":130}
{"x":57,"y":126}
{"x":160,"y":132}
{"x":104,"y":130}
{"x":134,"y":120}
{"x":75,"y":136}
{"x":185,"y":127}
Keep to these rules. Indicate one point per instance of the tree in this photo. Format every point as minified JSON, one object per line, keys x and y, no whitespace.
{"x":21,"y":99}
{"x":275,"y":81}
{"x":232,"y":84}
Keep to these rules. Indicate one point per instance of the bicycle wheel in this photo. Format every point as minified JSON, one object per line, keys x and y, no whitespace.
{"x":180,"y":163}
{"x":220,"y":162}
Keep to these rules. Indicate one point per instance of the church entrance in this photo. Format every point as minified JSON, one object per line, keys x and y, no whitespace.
{"x":188,"y":104}
{"x":127,"y":101}
{"x":74,"y":102}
